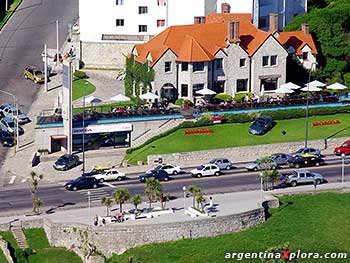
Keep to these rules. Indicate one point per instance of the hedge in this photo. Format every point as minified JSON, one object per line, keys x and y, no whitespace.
{"x":180,"y":102}
{"x":249,"y":117}
{"x":223,"y":97}
{"x":80,"y":74}
{"x":240,"y":96}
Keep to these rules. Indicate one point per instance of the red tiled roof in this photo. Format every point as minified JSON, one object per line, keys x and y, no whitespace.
{"x":297,"y":40}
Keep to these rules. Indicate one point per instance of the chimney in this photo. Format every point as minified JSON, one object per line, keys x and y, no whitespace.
{"x":199,"y":19}
{"x":225,"y":8}
{"x":273,"y":22}
{"x":305,"y":28}
{"x":233,"y":31}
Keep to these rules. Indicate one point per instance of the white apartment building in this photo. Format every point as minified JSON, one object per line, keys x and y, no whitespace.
{"x":136,"y":20}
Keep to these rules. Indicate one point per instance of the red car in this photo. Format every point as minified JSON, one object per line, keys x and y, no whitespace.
{"x":343,"y":149}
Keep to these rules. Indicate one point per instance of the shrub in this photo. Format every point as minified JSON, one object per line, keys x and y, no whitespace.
{"x":180,"y":102}
{"x":240,"y":96}
{"x":223,"y":97}
{"x":80,"y":74}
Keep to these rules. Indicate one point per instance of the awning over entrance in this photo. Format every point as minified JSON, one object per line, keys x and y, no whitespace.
{"x":58,"y":137}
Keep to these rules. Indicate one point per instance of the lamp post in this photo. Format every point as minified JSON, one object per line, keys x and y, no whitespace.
{"x":342,"y":169}
{"x":89,"y":205}
{"x":307,"y":107}
{"x":16,"y":133}
{"x":57,"y":44}
{"x":45,"y":66}
{"x":85,"y":84}
{"x":184,"y":189}
{"x":261,"y":189}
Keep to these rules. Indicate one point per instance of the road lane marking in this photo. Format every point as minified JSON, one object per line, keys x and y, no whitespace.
{"x":13,"y":178}
{"x":108,"y":184}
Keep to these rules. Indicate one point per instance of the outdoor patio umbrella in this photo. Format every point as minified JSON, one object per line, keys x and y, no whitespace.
{"x":206,"y":91}
{"x":336,"y":86}
{"x":311,"y":88}
{"x":92,"y":99}
{"x":315,"y":84}
{"x":284,"y":90}
{"x":149,"y":96}
{"x":120,"y":98}
{"x":290,"y":85}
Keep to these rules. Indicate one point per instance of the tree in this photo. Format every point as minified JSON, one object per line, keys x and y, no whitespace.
{"x":108,"y":202}
{"x":34,"y":185}
{"x":200,"y":199}
{"x":163,"y":198}
{"x":268,"y":174}
{"x":121,"y":196}
{"x":136,"y":200}
{"x":194,"y":190}
{"x":153,"y":190}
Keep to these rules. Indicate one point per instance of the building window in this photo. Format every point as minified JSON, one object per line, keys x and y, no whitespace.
{"x":219,"y":86}
{"x":167,"y":66}
{"x":119,"y":2}
{"x":273,"y":60}
{"x":184,"y":66}
{"x":242,"y":85}
{"x":262,"y":22}
{"x":218,"y":63}
{"x":143,"y":9}
{"x":269,"y":84}
{"x":265,"y":61}
{"x":305,"y":55}
{"x":184,"y":90}
{"x":142,"y":28}
{"x":242,"y":62}
{"x":197,"y":87}
{"x":161,"y":2}
{"x":119,"y":22}
{"x":198,"y":66}
{"x":160,"y":23}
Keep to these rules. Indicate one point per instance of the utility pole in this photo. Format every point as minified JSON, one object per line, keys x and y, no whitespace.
{"x":7,"y":5}
{"x":57,"y":44}
{"x":45,"y":67}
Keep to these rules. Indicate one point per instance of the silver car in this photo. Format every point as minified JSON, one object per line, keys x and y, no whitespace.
{"x":9,"y":111}
{"x":255,"y":166}
{"x":222,"y":163}
{"x":302,"y":177}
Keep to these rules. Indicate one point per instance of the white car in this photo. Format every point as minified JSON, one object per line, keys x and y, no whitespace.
{"x":109,"y":175}
{"x":206,"y":170}
{"x":169,"y":168}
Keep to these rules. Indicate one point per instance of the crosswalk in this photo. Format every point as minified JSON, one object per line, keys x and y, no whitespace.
{"x":95,"y":194}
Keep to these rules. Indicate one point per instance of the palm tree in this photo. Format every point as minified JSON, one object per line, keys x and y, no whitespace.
{"x":108,"y":202}
{"x":121,"y":196}
{"x":269,"y":173}
{"x":153,"y":190}
{"x":200,"y":199}
{"x":194,"y":190}
{"x":38,"y":204}
{"x":136,"y":200}
{"x":34,"y":185}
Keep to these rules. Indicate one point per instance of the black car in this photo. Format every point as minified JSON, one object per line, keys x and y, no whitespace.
{"x":6,"y":139}
{"x":66,"y":162}
{"x":82,"y":182}
{"x":261,"y":125}
{"x":160,"y":175}
{"x":300,"y":161}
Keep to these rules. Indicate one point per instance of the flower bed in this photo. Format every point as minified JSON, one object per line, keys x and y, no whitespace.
{"x":323,"y":123}
{"x":198,"y":131}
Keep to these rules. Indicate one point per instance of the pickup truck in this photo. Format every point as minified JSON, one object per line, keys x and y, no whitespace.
{"x":301,"y":177}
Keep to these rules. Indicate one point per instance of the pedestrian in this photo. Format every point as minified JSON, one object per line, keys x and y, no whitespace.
{"x":103,"y":221}
{"x":315,"y":183}
{"x":96,"y":220}
{"x":72,"y":51}
{"x":211,"y":204}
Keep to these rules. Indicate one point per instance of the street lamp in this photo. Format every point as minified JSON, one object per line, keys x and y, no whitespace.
{"x":184,"y":189}
{"x":261,"y":189}
{"x":15,"y":104}
{"x":307,"y":106}
{"x":85,"y":84}
{"x":342,"y":169}
{"x":89,"y":202}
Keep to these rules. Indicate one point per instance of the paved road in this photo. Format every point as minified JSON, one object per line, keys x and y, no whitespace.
{"x":230,"y":181}
{"x":21,"y":44}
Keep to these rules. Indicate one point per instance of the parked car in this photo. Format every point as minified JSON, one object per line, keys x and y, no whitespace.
{"x":109,"y":175}
{"x":257,"y":166}
{"x":82,"y":182}
{"x":169,"y":168}
{"x":261,"y":125}
{"x":34,"y":74}
{"x":9,"y":125}
{"x":304,"y":151}
{"x":343,"y":149}
{"x":281,"y":158}
{"x":159,"y":175}
{"x":6,"y":139}
{"x":303,"y":161}
{"x":301,"y":177}
{"x":206,"y":170}
{"x":222,"y":163}
{"x":8,"y":110}
{"x":66,"y":162}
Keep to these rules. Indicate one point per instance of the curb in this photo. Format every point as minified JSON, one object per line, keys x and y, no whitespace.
{"x":11,"y":13}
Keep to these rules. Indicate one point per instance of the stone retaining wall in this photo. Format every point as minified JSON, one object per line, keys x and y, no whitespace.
{"x":116,"y":239}
{"x":3,"y":247}
{"x":243,"y":154}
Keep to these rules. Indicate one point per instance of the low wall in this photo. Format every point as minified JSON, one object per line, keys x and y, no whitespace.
{"x":116,"y":239}
{"x":243,"y":154}
{"x":4,"y":248}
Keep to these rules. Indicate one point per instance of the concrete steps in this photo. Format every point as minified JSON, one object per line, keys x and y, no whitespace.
{"x":18,"y":234}
{"x":156,"y":131}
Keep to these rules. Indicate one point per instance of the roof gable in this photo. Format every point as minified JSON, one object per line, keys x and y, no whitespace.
{"x":297,"y":40}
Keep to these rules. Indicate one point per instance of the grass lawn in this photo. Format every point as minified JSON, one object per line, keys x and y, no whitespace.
{"x":312,"y":223}
{"x":12,"y":7}
{"x":7,"y":236}
{"x":78,"y":88}
{"x":36,"y":238}
{"x":54,"y":255}
{"x":2,"y":257}
{"x":233,"y":135}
